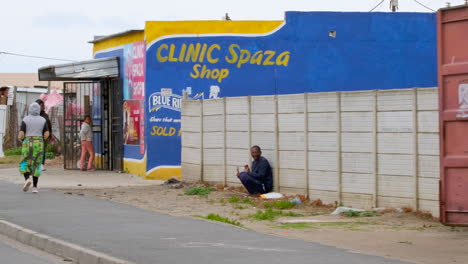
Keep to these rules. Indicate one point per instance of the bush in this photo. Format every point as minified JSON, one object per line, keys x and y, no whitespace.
{"x":50,"y":155}
{"x":13,"y":151}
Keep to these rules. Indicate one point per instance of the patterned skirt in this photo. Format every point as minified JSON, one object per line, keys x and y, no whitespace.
{"x":32,"y":155}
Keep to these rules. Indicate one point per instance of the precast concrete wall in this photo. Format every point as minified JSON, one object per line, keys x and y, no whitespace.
{"x":365,"y":148}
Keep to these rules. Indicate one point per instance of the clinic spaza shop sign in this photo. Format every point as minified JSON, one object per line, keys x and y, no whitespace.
{"x":207,"y":56}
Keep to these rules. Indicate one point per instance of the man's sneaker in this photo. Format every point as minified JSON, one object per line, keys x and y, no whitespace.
{"x":34,"y":190}
{"x":92,"y":169}
{"x":26,"y":185}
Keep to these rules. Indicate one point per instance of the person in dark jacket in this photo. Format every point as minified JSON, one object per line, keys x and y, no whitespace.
{"x":49,"y":125}
{"x":259,"y":179}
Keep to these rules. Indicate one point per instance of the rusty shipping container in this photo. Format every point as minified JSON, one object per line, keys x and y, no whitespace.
{"x":452,"y":34}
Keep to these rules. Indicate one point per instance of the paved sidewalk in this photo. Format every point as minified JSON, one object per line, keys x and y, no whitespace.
{"x":14,"y":252}
{"x":147,"y":237}
{"x":60,"y":178}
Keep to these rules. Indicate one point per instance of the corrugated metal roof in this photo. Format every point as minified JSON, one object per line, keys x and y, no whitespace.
{"x":83,"y":70}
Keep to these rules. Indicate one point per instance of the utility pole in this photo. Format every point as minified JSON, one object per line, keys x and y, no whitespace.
{"x":394,"y":5}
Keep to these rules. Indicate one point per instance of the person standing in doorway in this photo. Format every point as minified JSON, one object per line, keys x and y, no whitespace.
{"x":49,"y":125}
{"x":86,"y":136}
{"x":33,"y":131}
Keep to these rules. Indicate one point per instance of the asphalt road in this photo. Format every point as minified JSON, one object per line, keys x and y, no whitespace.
{"x":148,"y":237}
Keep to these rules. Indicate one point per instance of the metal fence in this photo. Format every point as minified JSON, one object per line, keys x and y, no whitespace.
{"x":364,"y":149}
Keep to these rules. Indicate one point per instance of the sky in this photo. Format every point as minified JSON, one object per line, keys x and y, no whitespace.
{"x":61,"y":28}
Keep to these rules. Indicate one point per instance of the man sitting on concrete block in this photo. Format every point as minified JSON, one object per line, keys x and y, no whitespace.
{"x":259,"y":179}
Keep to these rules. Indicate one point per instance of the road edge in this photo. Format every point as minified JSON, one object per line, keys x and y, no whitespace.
{"x":56,"y":246}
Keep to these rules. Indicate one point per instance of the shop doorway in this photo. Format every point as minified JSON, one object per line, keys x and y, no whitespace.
{"x":102,"y":100}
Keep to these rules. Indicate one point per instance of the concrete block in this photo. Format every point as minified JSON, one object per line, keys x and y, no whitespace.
{"x":213,"y":140}
{"x":357,"y":121}
{"x":191,"y":139}
{"x":323,"y":161}
{"x":291,"y":160}
{"x":292,"y":178}
{"x":357,"y":142}
{"x":262,"y":104}
{"x":357,"y":101}
{"x":355,"y":200}
{"x":357,"y":162}
{"x":266,"y":140}
{"x":429,"y":166}
{"x":236,"y":123}
{"x":395,"y":100}
{"x":358,"y":183}
{"x":213,"y":173}
{"x":322,"y":122}
{"x":213,"y":157}
{"x":428,"y":188}
{"x":237,"y":140}
{"x":213,"y":107}
{"x":327,"y":197}
{"x":291,"y":122}
{"x":428,"y":144}
{"x":237,"y":157}
{"x":395,"y":143}
{"x":191,"y":155}
{"x":263,"y":122}
{"x":293,"y":191}
{"x":431,"y":206}
{"x":428,"y":121}
{"x":428,"y":99}
{"x":390,"y":164}
{"x":190,"y":124}
{"x":323,"y":180}
{"x":395,"y":121}
{"x":394,"y":202}
{"x":291,"y":141}
{"x":322,"y":141}
{"x":213,"y":123}
{"x":237,"y":105}
{"x":191,"y":107}
{"x":396,"y":186}
{"x":322,"y":102}
{"x":191,"y":172}
{"x":291,"y":103}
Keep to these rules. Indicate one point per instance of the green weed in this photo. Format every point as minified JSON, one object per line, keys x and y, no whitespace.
{"x":358,"y":214}
{"x":234,"y":199}
{"x":270,"y":214}
{"x":248,"y":200}
{"x":200,"y":191}
{"x":240,"y":207}
{"x":282,"y":204}
{"x":218,"y":218}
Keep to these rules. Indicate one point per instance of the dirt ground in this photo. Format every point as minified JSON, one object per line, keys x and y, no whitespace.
{"x":407,"y":236}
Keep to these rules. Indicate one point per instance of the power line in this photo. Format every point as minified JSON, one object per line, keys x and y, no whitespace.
{"x":421,"y":4}
{"x":35,"y":57}
{"x":377,"y":5}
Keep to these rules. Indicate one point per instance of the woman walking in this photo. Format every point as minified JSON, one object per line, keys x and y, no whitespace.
{"x":33,"y":131}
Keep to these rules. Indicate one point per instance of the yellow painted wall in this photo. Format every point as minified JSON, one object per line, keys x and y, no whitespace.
{"x":118,"y":41}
